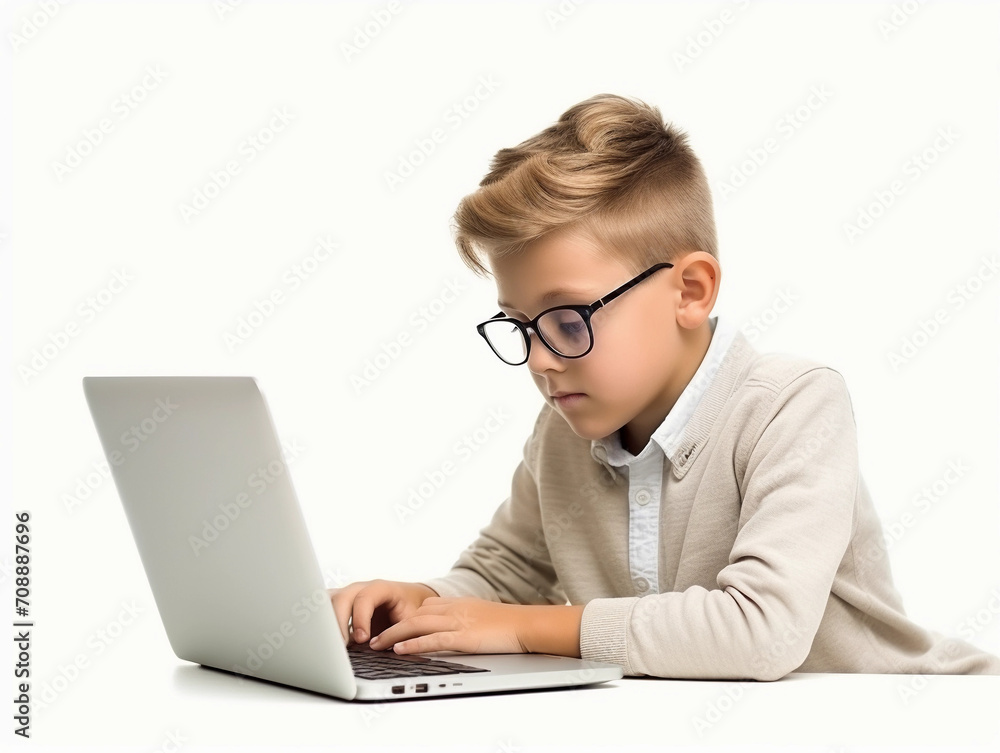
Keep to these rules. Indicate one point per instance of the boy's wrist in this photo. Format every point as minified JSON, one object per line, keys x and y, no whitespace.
{"x":430,"y":592}
{"x":545,"y":629}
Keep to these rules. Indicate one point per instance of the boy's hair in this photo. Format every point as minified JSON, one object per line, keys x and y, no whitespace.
{"x":610,"y":168}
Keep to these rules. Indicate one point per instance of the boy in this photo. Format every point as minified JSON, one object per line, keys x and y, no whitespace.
{"x":686,"y":507}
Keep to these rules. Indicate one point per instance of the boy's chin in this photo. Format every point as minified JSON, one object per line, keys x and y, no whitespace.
{"x":589,"y":430}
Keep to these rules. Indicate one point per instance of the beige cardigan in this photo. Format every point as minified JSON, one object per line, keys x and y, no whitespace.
{"x":771,"y":554}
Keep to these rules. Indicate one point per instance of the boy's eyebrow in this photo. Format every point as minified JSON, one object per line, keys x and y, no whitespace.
{"x":551,"y":296}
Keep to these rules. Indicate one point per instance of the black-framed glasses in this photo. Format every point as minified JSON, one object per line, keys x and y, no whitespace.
{"x":565,"y":330}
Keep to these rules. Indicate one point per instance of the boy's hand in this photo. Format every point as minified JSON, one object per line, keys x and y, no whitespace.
{"x":374,"y":605}
{"x":469,"y":625}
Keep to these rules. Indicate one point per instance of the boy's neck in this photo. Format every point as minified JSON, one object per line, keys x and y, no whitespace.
{"x":635,"y":434}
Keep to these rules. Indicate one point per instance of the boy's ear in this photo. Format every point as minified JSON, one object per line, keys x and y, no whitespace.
{"x":699,"y":275}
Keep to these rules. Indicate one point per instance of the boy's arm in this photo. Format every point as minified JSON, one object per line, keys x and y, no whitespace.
{"x":477,"y":626}
{"x":799,"y":492}
{"x":509,"y":561}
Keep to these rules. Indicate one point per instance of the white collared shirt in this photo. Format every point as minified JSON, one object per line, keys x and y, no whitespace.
{"x":645,"y":471}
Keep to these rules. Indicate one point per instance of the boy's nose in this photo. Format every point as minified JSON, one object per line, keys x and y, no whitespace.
{"x":541,"y":359}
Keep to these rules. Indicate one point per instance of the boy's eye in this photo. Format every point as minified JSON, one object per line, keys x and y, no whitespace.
{"x":566,"y":331}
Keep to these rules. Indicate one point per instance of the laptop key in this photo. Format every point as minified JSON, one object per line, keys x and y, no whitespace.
{"x":380,"y":665}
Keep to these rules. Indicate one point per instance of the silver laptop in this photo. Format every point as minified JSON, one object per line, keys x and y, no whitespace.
{"x":204,"y":482}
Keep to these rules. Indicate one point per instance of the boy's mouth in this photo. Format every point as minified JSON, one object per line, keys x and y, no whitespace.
{"x":567,"y":399}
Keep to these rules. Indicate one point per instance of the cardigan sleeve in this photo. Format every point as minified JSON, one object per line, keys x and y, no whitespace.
{"x":797,"y":509}
{"x":509,"y":561}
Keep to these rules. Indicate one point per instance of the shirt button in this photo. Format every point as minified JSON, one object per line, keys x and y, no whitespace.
{"x":641,"y":585}
{"x":642,"y":497}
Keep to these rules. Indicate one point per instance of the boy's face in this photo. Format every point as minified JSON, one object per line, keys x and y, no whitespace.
{"x":643,"y":356}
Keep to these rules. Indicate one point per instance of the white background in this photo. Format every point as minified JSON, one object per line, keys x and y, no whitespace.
{"x":893,"y":82}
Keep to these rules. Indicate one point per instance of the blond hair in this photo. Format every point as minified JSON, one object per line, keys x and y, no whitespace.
{"x":610,"y":168}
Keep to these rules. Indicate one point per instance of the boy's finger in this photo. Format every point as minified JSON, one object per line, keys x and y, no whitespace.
{"x":414,"y":627}
{"x":368,"y":599}
{"x":342,"y":600}
{"x":340,"y":610}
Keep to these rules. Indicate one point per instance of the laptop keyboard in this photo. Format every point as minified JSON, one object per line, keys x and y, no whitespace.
{"x":369,"y":664}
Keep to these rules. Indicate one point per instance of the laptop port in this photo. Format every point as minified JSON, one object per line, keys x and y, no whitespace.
{"x":422,"y":687}
{"x":397,"y":689}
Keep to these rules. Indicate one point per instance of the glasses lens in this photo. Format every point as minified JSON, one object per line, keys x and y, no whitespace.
{"x":507,"y":341}
{"x":566,"y":331}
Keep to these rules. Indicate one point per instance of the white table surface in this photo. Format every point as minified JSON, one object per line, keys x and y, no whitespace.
{"x":162,"y":703}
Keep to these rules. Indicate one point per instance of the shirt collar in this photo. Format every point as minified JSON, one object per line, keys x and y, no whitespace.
{"x":667,"y":437}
